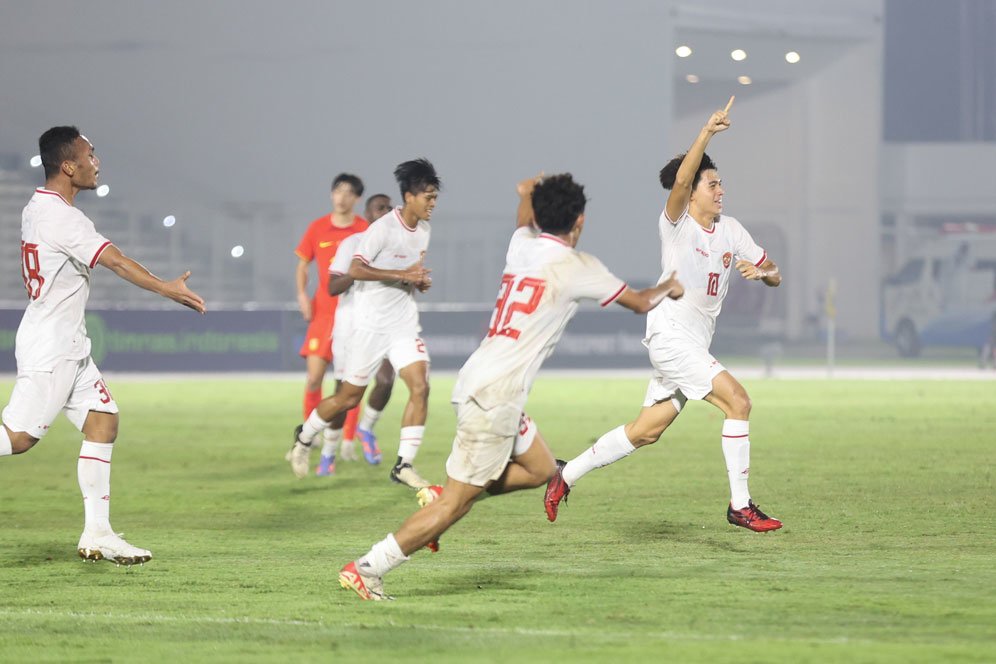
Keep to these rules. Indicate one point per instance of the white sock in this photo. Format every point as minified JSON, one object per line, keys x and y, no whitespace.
{"x":411,"y":438}
{"x":332,"y":439}
{"x":5,"y":446}
{"x":93,"y":470}
{"x":736,"y":449}
{"x":383,"y":556}
{"x":369,"y":419}
{"x":312,"y":426}
{"x":611,"y":447}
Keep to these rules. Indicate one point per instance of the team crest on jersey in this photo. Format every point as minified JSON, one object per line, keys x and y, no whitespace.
{"x":727,"y":259}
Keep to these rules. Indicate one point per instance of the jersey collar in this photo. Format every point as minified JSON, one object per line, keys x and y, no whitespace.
{"x":42,"y":190}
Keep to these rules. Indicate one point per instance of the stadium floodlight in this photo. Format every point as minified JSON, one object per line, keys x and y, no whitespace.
{"x":169,"y":221}
{"x":744,"y":80}
{"x":683,"y":51}
{"x":738,"y":54}
{"x":792,"y":57}
{"x":237,"y":251}
{"x":35,"y":161}
{"x":103,"y":190}
{"x":692,"y":78}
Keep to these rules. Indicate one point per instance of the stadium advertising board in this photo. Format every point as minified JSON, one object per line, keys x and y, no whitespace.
{"x":178,"y":341}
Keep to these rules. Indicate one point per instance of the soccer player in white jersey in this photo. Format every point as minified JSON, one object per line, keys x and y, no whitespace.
{"x":387,"y":267}
{"x":341,"y":285}
{"x":704,"y":246}
{"x":497,"y":448}
{"x":59,"y":249}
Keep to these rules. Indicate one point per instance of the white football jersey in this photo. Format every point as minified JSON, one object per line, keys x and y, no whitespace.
{"x":340,"y":265}
{"x":704,"y":260}
{"x":543,"y":281}
{"x":59,"y":247}
{"x":388,"y":244}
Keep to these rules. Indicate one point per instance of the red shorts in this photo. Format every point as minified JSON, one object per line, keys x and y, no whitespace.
{"x":318,"y":339}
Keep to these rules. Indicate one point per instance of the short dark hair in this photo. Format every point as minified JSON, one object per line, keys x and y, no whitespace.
{"x":416,"y":176}
{"x":352,"y":180}
{"x":56,"y":146}
{"x":558,"y":201}
{"x":670,"y":172}
{"x":375,"y":197}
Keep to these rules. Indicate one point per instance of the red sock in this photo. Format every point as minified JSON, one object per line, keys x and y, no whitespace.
{"x":349,"y":428}
{"x":311,"y":401}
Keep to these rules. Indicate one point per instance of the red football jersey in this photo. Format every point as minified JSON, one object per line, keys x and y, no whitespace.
{"x":319,"y":244}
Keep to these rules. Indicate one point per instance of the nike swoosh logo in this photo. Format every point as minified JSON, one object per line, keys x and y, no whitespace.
{"x":325,"y":244}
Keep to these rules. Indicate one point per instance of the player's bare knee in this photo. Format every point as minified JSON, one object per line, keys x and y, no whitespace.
{"x":102,"y":434}
{"x":350,"y":399}
{"x":419,"y":390}
{"x":740,"y":405}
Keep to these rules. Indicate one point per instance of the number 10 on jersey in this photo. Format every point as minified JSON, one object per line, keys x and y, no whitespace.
{"x":516,"y":295}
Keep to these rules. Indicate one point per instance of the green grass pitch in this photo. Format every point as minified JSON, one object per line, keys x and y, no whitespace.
{"x":886,"y":490}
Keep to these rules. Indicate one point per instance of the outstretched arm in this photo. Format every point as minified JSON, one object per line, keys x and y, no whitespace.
{"x":134,"y":272}
{"x":766,"y":272}
{"x":525,"y":216}
{"x":681,"y":193}
{"x":642,"y":301}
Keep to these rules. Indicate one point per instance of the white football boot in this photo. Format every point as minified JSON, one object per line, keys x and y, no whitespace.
{"x":299,"y":455}
{"x":404,"y":473}
{"x":111,"y":547}
{"x":347,"y":451}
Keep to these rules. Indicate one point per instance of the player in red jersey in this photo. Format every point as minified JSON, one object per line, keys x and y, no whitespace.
{"x":319,"y":245}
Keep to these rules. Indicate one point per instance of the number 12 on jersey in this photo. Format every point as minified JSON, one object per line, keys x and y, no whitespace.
{"x":516,"y":295}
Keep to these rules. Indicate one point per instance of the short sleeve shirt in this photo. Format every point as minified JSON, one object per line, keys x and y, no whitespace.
{"x":59,"y":248}
{"x":543,"y":282}
{"x":389,"y":244}
{"x":704,"y":260}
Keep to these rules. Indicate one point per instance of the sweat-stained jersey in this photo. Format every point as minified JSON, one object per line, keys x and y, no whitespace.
{"x":389,"y":306}
{"x":704,"y":260}
{"x":59,"y":248}
{"x":543,"y":281}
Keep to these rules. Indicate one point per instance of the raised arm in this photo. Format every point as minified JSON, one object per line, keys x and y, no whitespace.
{"x":642,"y":301}
{"x":525,"y":216}
{"x":681,"y":193}
{"x":135,"y":272}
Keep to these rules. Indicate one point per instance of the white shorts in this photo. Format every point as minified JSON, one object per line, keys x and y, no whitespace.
{"x":486,"y":440}
{"x":74,"y":387}
{"x":680,"y":366}
{"x":341,"y":336}
{"x":367,"y":350}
